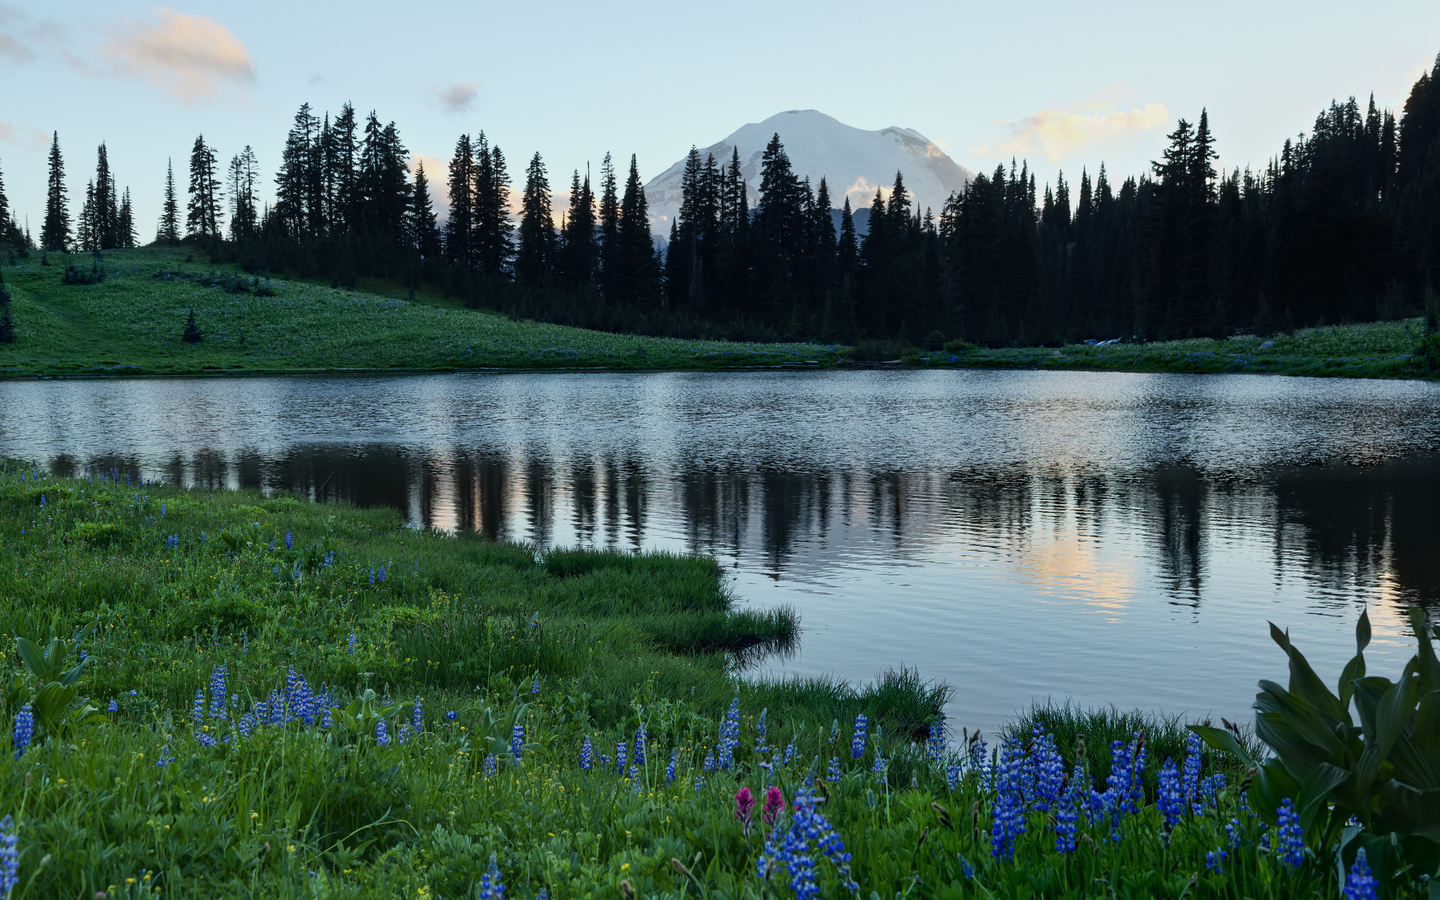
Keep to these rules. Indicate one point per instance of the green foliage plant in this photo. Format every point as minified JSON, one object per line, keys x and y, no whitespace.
{"x":1373,"y":783}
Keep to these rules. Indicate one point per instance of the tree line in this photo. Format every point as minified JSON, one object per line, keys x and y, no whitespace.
{"x":1343,"y":224}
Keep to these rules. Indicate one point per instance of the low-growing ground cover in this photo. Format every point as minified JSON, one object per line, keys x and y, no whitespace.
{"x":132,"y":322}
{"x":259,"y":696}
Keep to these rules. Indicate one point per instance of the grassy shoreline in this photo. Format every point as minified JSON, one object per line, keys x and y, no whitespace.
{"x":131,"y":323}
{"x":243,"y":725}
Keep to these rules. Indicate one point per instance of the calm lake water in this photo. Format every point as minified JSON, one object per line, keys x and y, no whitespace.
{"x":1098,"y":537}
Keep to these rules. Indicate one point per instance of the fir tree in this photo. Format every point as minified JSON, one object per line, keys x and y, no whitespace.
{"x":55,"y":232}
{"x":299,"y":181}
{"x":125,"y":224}
{"x":202,"y":218}
{"x":579,"y":250}
{"x":168,"y":231}
{"x":423,"y":230}
{"x":493,"y":228}
{"x":106,"y":211}
{"x":460,"y":227}
{"x":535,"y":257}
{"x":7,"y":226}
{"x":243,"y":179}
{"x":340,"y":176}
{"x":192,"y":333}
{"x":609,"y":225}
{"x":85,"y":232}
{"x":7,"y":325}
{"x":638,"y":267}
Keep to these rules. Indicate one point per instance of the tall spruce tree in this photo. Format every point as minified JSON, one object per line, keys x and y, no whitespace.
{"x":424,"y":233}
{"x":168,"y":231}
{"x":104,"y":221}
{"x":638,"y":274}
{"x":243,"y":181}
{"x":7,"y":226}
{"x":341,"y":168}
{"x":579,"y":251}
{"x":609,"y":224}
{"x":55,"y":232}
{"x":202,"y":217}
{"x":460,"y":227}
{"x":493,"y":229}
{"x":298,"y":184}
{"x":535,"y":257}
{"x":125,"y":224}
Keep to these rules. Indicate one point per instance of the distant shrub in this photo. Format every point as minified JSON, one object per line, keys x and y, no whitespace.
{"x":870,"y":350}
{"x":7,"y":325}
{"x":75,"y":275}
{"x":934,"y":341}
{"x":958,"y":347}
{"x":1429,"y":351}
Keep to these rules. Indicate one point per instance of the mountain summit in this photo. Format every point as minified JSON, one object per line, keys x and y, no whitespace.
{"x":854,"y":162}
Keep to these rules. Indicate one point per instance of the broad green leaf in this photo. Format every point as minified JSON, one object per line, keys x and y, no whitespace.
{"x":1225,"y":742}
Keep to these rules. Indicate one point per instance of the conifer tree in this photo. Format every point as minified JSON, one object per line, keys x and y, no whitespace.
{"x":639,"y":269}
{"x":535,"y":257}
{"x":106,"y":207}
{"x":202,"y":218}
{"x":85,"y":232}
{"x":493,"y":228}
{"x":609,"y":225}
{"x":341,"y":166}
{"x":168,"y":231}
{"x":125,"y":224}
{"x":423,"y":230}
{"x":7,"y":226}
{"x":460,"y":227}
{"x":192,"y":333}
{"x":298,"y":184}
{"x":55,"y":232}
{"x":243,"y":179}
{"x":579,"y":250}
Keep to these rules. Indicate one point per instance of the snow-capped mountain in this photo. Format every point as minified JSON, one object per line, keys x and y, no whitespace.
{"x":854,"y":162}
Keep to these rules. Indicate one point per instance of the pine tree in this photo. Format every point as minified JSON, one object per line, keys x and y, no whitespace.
{"x":106,"y":212}
{"x":639,"y":269}
{"x":493,"y":228}
{"x":7,"y":226}
{"x":299,"y":183}
{"x":125,"y":224}
{"x":55,"y":233}
{"x":85,"y":234}
{"x":341,"y":167}
{"x":202,"y":218}
{"x":192,"y":333}
{"x":535,"y":257}
{"x":609,"y":225}
{"x":579,"y":250}
{"x":243,"y":179}
{"x":460,"y":227}
{"x":423,"y":230}
{"x":168,"y":231}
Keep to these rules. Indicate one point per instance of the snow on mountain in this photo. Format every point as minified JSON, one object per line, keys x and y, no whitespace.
{"x":854,"y":162}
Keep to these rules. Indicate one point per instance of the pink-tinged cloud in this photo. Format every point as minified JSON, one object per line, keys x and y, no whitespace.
{"x":437,"y":175}
{"x":1056,"y":133}
{"x":18,"y":134}
{"x":192,"y":57}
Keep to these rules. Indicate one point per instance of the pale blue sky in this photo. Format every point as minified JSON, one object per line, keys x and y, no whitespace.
{"x":1064,"y":84}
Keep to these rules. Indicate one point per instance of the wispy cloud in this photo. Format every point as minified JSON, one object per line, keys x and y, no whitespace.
{"x":437,"y":174}
{"x":1056,"y":133}
{"x":457,"y":97}
{"x":192,"y":57}
{"x":22,"y":134}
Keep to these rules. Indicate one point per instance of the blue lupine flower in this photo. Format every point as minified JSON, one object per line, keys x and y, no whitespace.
{"x":833,"y":772}
{"x":952,"y":777}
{"x":1190,"y":783}
{"x":965,"y":867}
{"x":980,"y":755}
{"x":1009,"y":806}
{"x":287,"y":540}
{"x":24,"y":730}
{"x":1232,"y":831}
{"x":198,"y":714}
{"x":709,"y":764}
{"x":1067,"y":811}
{"x":880,"y":766}
{"x":9,"y":857}
{"x":1359,"y":884}
{"x":417,"y":716}
{"x":1214,"y":858}
{"x":793,"y":848}
{"x":217,"y":692}
{"x":491,"y":764}
{"x":382,"y":575}
{"x":402,"y":736}
{"x":451,"y":716}
{"x":1170,"y":798}
{"x":114,"y":707}
{"x":699,"y":783}
{"x":604,"y":762}
{"x":1208,"y":792}
{"x":621,"y":748}
{"x":935,"y":745}
{"x":372,"y":574}
{"x":789,"y":753}
{"x":1043,"y":776}
{"x":729,"y":736}
{"x":635,"y":778}
{"x":638,"y":757}
{"x":535,"y":686}
{"x":857,"y":743}
{"x":761,"y":728}
{"x":382,"y":733}
{"x":203,"y":738}
{"x":162,"y":510}
{"x":491,"y":888}
{"x":165,"y":758}
{"x":670,"y":769}
{"x":517,"y":740}
{"x":1291,"y":836}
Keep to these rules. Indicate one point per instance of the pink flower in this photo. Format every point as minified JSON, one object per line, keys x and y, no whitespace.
{"x":774,"y":802}
{"x":744,"y":805}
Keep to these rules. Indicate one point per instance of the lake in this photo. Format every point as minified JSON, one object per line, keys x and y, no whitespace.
{"x":1103,"y":538}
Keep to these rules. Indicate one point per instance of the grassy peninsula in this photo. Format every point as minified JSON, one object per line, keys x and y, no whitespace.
{"x":233,"y":695}
{"x":133,"y":322}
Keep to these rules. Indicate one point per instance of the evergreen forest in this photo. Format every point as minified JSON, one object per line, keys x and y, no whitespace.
{"x":1341,"y":225}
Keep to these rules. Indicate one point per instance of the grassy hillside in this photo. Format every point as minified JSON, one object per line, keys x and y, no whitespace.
{"x":132,"y":323}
